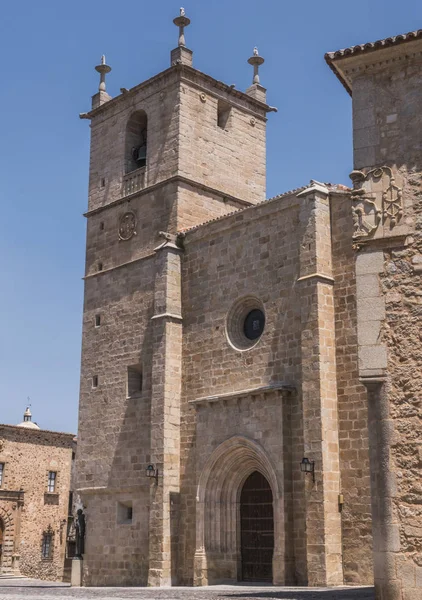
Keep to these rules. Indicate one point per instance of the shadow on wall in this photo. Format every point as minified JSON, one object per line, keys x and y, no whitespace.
{"x":366,"y":593}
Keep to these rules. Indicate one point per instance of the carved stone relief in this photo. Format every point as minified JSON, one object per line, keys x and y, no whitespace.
{"x":127,"y":226}
{"x":376,"y":198}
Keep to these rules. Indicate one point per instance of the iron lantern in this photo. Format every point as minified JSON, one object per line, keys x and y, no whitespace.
{"x":151,"y":471}
{"x":308,"y":466}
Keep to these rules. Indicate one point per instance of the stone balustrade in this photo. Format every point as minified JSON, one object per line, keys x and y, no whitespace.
{"x":134,"y":181}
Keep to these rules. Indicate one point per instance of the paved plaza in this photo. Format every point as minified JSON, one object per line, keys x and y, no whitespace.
{"x":28,"y":589}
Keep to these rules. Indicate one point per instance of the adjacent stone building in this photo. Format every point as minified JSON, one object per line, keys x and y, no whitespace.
{"x":35,"y":469}
{"x":230,"y":341}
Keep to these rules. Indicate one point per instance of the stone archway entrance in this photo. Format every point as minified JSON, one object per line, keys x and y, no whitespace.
{"x":256,"y":529}
{"x":1,"y":539}
{"x":233,"y":466}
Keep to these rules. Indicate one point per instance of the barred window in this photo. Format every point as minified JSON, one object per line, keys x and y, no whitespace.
{"x":52,"y":481}
{"x":1,"y":473}
{"x":47,"y":545}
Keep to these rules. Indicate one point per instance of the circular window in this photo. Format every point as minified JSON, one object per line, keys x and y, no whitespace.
{"x":254,"y":324}
{"x":245,"y":323}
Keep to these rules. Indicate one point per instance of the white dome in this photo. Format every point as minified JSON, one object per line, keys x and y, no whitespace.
{"x":28,"y":425}
{"x":27,"y":420}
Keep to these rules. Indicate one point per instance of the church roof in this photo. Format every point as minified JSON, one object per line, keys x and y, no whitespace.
{"x":371,"y":46}
{"x":332,"y":188}
{"x":359,"y":49}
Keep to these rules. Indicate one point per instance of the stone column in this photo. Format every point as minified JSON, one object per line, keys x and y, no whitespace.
{"x":385,"y":524}
{"x":17,"y":537}
{"x":165,"y":409}
{"x":319,"y":390}
{"x":373,"y":363}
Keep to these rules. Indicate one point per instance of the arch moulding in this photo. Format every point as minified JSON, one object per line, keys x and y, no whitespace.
{"x":217,"y":555}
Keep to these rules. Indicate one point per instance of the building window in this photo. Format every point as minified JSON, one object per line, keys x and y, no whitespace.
{"x":134,"y":381}
{"x":1,"y":473}
{"x":100,"y":266}
{"x":51,"y":487}
{"x":136,"y":142}
{"x":47,"y":545}
{"x":245,"y":323}
{"x":223,"y":114}
{"x":124,"y":513}
{"x":95,"y":382}
{"x":97,"y":320}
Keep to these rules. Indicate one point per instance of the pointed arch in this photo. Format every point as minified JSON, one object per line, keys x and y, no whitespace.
{"x":217,"y":555}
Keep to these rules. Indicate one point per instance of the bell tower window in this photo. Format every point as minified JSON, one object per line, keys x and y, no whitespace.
{"x":223,"y":114}
{"x":136,"y":142}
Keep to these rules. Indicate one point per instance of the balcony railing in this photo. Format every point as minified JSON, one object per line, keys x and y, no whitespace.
{"x":134,"y":181}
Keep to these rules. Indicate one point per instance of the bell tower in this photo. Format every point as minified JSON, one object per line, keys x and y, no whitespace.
{"x":172,"y":152}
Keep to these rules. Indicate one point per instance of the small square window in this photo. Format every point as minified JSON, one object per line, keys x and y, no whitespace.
{"x":124,"y":513}
{"x":47,"y":545}
{"x":97,"y":320}
{"x":134,"y":381}
{"x":51,"y":486}
{"x":223,"y":114}
{"x":95,"y":381}
{"x":1,"y":473}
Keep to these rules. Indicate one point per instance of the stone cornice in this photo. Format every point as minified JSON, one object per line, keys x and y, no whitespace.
{"x":265,"y":389}
{"x":125,"y":264}
{"x":12,"y":496}
{"x":351,"y":63}
{"x":27,"y":432}
{"x":167,"y":315}
{"x":190,"y":75}
{"x":321,"y":276}
{"x":174,"y":179}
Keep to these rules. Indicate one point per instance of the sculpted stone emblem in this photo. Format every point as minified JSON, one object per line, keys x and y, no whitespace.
{"x":127,"y":226}
{"x":376,"y":197}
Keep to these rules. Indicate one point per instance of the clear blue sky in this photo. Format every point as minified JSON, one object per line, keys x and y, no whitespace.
{"x":48,"y":52}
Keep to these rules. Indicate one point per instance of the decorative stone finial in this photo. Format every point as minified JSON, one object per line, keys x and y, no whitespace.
{"x":181,"y":22}
{"x":102,"y":69}
{"x":256,"y":61}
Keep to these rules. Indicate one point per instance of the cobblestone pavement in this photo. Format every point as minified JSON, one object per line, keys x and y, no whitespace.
{"x":30,"y":589}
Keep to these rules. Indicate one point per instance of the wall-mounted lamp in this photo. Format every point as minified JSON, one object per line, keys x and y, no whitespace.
{"x":151,"y":471}
{"x":308,"y":466}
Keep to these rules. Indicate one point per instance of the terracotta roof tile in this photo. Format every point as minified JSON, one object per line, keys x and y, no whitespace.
{"x":370,"y":46}
{"x":331,"y":57}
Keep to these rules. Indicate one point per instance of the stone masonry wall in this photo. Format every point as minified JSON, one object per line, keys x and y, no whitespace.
{"x":28,"y":456}
{"x":230,"y":158}
{"x":253,"y":253}
{"x":115,"y":430}
{"x":387,"y":136}
{"x":352,"y":405}
{"x":159,"y":98}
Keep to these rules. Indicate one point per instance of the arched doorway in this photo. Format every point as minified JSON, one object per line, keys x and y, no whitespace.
{"x":218,"y":554}
{"x":256,"y":529}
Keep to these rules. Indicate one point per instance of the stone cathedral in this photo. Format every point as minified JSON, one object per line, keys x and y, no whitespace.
{"x":251,"y":382}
